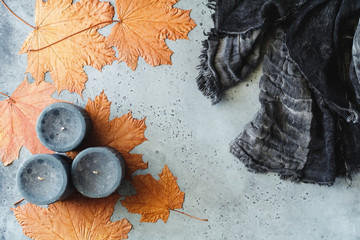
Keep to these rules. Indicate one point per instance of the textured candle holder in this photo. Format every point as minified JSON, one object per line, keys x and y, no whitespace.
{"x":62,"y":127}
{"x":45,"y":178}
{"x":97,"y":172}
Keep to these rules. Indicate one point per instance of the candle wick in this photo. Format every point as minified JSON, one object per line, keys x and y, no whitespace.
{"x":40,"y":178}
{"x":62,"y":128}
{"x":95,"y":172}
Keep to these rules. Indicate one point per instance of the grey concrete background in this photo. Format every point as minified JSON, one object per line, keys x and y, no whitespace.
{"x":192,"y":137}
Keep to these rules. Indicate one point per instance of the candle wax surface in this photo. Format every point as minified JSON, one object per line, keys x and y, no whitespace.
{"x":60,"y":127}
{"x":97,"y":173}
{"x":41,"y":180}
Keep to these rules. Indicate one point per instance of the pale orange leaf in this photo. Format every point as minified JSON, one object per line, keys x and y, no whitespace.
{"x":75,"y":218}
{"x":59,"y":19}
{"x":144,"y":25}
{"x":154,"y":199}
{"x":18,"y":119}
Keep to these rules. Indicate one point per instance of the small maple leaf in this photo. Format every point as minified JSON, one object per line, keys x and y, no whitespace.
{"x":154,"y":199}
{"x":75,"y":218}
{"x":65,"y":48}
{"x":122,"y":133}
{"x":18,"y":119}
{"x":144,"y":25}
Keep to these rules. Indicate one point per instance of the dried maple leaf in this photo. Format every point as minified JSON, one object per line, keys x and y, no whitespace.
{"x":144,"y":25}
{"x":65,"y":47}
{"x":18,"y":119}
{"x":154,"y":199}
{"x":75,"y":218}
{"x":122,"y":133}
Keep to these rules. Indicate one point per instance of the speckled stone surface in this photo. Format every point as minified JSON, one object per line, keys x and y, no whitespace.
{"x":191,"y":137}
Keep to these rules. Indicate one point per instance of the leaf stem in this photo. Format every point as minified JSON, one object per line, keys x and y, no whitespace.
{"x":71,"y":35}
{"x":19,"y":202}
{"x":205,"y":220}
{"x":12,"y":100}
{"x":17,"y":15}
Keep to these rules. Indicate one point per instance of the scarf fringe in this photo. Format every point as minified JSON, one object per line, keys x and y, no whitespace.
{"x":207,"y":82}
{"x":284,"y":174}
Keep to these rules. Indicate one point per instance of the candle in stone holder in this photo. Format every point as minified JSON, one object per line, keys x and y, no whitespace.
{"x":97,"y":172}
{"x":45,"y":178}
{"x":62,"y":127}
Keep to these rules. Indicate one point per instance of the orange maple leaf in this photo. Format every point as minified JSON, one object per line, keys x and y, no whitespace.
{"x":154,"y":199}
{"x":59,"y":45}
{"x":18,"y":119}
{"x":75,"y":218}
{"x":122,"y":133}
{"x":144,"y":25}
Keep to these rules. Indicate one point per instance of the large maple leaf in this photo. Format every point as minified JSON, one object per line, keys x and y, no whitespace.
{"x":122,"y":133}
{"x":18,"y":119}
{"x":144,"y":25}
{"x":76,"y":218}
{"x":154,"y":199}
{"x":65,"y":46}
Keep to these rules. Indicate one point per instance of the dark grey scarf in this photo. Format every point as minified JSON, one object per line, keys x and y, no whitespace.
{"x":308,"y":126}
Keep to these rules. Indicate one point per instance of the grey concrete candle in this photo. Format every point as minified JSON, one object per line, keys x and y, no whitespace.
{"x":97,"y":172}
{"x":45,"y":178}
{"x":62,"y":127}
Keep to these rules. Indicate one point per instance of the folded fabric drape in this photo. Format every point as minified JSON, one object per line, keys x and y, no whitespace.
{"x":308,"y":127}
